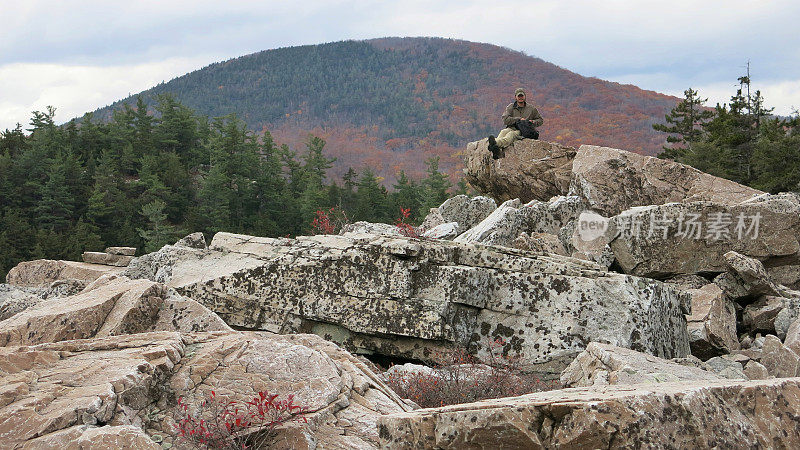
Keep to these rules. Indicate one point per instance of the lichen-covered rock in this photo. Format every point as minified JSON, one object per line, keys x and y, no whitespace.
{"x":14,"y":300}
{"x":604,"y":364}
{"x":613,"y":180}
{"x":539,"y":242}
{"x":712,"y":324}
{"x":686,"y":414}
{"x":727,"y":367}
{"x":530,"y":170}
{"x":787,"y":275}
{"x":409,"y":298}
{"x":194,"y":240}
{"x":362,"y":227}
{"x":690,"y":238}
{"x":41,"y":273}
{"x":464,"y":210}
{"x":500,"y":227}
{"x":746,"y":277}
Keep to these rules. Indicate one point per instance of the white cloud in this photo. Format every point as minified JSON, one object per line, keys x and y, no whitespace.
{"x":74,"y":89}
{"x":784,"y":96}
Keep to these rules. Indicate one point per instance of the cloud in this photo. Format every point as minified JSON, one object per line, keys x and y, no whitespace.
{"x":75,"y":89}
{"x":666,"y":47}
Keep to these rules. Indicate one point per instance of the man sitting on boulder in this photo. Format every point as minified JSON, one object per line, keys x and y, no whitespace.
{"x":521,"y":120}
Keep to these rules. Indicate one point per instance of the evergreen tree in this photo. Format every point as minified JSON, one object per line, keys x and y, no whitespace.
{"x":435,"y":184}
{"x":407,"y":195}
{"x":158,"y":233}
{"x":371,"y":199}
{"x":685,"y":124}
{"x":56,"y":207}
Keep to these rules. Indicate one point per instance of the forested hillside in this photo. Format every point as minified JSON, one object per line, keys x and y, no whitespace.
{"x":392,"y":103}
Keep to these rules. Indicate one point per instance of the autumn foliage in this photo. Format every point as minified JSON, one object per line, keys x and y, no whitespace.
{"x":465,"y":379}
{"x":219,"y":423}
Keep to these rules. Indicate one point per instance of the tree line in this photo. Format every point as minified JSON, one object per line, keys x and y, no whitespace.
{"x":144,"y":179}
{"x":741,"y":141}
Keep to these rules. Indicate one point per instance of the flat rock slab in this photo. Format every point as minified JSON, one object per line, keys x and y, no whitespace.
{"x":700,"y":414}
{"x":126,"y":251}
{"x":411,"y":298}
{"x":613,"y":180}
{"x":108,"y":259}
{"x":42,"y":272}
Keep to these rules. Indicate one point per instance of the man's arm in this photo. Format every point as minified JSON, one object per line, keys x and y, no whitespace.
{"x":507,"y":119}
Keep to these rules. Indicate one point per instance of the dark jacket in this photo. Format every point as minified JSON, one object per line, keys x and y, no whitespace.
{"x":514,"y":113}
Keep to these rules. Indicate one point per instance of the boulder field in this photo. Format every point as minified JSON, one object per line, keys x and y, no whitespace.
{"x":664,"y":299}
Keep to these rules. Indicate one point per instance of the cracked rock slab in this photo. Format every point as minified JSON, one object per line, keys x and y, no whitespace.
{"x":687,"y":414}
{"x":416,"y":299}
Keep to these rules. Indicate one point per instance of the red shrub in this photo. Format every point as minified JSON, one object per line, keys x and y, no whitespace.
{"x":464,"y":379}
{"x":223,"y":424}
{"x":405,"y":228}
{"x":329,"y":222}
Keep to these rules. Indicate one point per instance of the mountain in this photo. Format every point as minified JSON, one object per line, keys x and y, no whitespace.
{"x":390,"y":103}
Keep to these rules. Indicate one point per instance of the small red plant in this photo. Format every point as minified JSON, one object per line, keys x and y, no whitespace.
{"x":465,"y":379}
{"x":228,"y":424}
{"x":329,"y":222}
{"x":405,"y":228}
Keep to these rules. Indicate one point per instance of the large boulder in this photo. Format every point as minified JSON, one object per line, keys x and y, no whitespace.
{"x":416,"y":299}
{"x":685,"y":238}
{"x":612,"y":180}
{"x":14,"y":300}
{"x":530,"y":170}
{"x":604,"y":364}
{"x":82,"y":392}
{"x":685,"y":414}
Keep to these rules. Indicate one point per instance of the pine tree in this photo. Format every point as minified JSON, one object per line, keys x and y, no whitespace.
{"x":158,"y":233}
{"x":435,"y":184}
{"x":685,"y":124}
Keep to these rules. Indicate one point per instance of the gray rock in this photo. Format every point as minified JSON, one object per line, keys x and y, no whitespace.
{"x":787,"y":275}
{"x":689,"y":238}
{"x":194,"y":240}
{"x":746,"y":277}
{"x":501,"y":227}
{"x":415,"y":298}
{"x":613,"y":180}
{"x":726,"y":368}
{"x":551,"y":216}
{"x":687,"y":281}
{"x":125,"y":251}
{"x":370,"y":228}
{"x":792,"y":339}
{"x":448,"y":231}
{"x":540,"y":243}
{"x":465,"y":211}
{"x":786,"y":316}
{"x":604,"y":364}
{"x":14,"y":300}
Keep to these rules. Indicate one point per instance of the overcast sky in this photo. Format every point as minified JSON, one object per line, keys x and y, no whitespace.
{"x":78,"y":55}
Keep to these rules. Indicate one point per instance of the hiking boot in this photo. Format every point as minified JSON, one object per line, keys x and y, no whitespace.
{"x":494,"y":148}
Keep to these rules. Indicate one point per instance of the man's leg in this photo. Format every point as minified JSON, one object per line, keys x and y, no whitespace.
{"x":507,"y":136}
